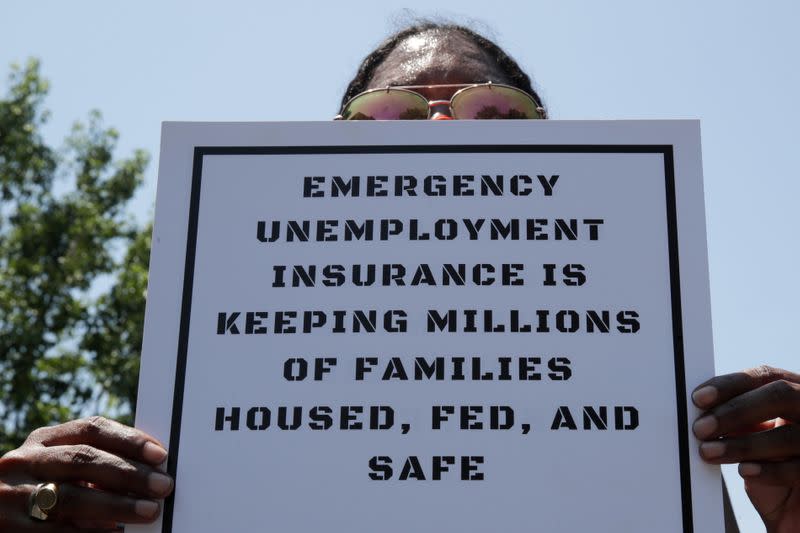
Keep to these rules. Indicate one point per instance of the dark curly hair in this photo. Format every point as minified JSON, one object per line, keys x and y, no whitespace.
{"x":366,"y":70}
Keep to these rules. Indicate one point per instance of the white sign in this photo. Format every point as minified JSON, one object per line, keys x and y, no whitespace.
{"x":420,"y":326}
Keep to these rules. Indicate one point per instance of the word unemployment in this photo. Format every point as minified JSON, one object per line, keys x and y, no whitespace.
{"x":442,"y":229}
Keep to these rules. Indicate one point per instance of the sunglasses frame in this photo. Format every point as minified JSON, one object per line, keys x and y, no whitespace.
{"x":435,"y":103}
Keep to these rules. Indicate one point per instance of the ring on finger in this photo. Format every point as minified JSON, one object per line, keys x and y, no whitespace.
{"x":43,"y":500}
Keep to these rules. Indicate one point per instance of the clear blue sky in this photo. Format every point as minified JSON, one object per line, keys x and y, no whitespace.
{"x":731,"y":64}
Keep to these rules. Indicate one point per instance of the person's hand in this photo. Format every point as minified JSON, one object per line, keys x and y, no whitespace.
{"x":106,"y":474}
{"x":752,"y":418}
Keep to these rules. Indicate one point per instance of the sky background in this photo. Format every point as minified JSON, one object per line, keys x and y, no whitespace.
{"x":731,"y":64}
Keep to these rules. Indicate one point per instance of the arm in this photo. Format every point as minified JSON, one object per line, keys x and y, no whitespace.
{"x":106,"y":474}
{"x":752,"y":418}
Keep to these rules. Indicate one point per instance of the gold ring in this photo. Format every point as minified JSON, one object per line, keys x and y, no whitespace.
{"x":43,"y":500}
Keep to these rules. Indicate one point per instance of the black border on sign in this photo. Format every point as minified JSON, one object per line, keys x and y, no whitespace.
{"x":675,"y":284}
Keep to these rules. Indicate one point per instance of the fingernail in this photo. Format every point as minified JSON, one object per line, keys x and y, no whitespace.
{"x":159,"y":483}
{"x":749,"y":469}
{"x":145,"y":508}
{"x":704,"y":396}
{"x":705,"y":426}
{"x":712,"y":450}
{"x":153,"y":453}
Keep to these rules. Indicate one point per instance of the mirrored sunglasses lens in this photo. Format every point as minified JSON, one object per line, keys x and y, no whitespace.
{"x":487,"y":102}
{"x":387,"y":105}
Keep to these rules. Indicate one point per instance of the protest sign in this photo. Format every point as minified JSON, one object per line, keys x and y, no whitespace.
{"x":418,"y":326}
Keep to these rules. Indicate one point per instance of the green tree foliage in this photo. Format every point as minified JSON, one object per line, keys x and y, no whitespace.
{"x":73,"y":268}
{"x":114,"y":334}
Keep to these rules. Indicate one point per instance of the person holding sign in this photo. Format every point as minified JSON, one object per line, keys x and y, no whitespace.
{"x":91,"y":475}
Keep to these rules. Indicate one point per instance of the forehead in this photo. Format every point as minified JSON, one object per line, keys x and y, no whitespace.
{"x":436,"y":57}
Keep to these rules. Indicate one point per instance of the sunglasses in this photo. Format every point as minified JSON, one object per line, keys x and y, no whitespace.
{"x":473,"y":101}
